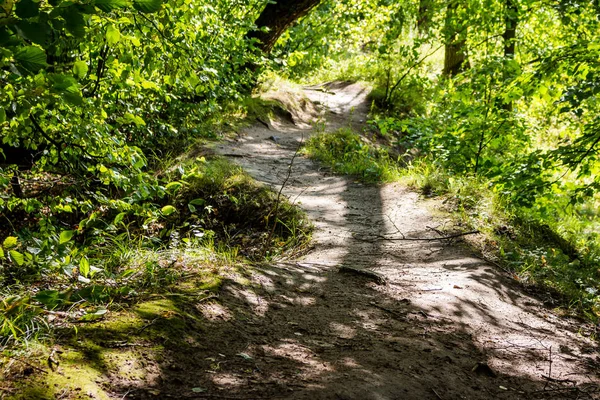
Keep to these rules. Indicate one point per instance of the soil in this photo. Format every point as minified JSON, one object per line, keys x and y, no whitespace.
{"x":445,"y":325}
{"x":427,"y":320}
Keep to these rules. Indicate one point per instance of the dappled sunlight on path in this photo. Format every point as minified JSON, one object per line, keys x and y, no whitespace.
{"x":430,"y":320}
{"x":464,"y":308}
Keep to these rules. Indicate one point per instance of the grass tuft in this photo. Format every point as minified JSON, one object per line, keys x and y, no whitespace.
{"x":349,"y":153}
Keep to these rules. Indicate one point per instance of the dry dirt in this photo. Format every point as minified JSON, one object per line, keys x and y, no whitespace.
{"x":446,"y":325}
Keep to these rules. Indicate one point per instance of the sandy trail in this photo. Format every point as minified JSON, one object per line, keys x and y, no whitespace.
{"x":317,"y":333}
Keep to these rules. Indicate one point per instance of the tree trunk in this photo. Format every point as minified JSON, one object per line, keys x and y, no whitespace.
{"x":277,"y":17}
{"x":424,"y":15}
{"x":455,"y":52}
{"x":455,"y":59}
{"x":511,"y":20}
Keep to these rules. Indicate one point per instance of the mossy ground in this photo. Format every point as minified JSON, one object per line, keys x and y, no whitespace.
{"x":125,"y":347}
{"x":159,"y":298}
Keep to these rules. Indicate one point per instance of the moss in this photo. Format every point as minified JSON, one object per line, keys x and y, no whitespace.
{"x":127,"y":363}
{"x":155,"y":308}
{"x":210,"y":282}
{"x":74,"y":378}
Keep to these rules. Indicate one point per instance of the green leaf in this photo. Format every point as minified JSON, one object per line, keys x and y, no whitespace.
{"x":196,"y":202}
{"x":109,"y":5}
{"x":37,"y":32}
{"x":129,"y":118}
{"x":173,"y":187}
{"x":147,"y":6}
{"x":84,"y":267}
{"x":1,"y":252}
{"x":168,"y":210}
{"x":80,"y":69}
{"x":27,"y":9}
{"x":119,"y":218}
{"x":67,"y":87}
{"x":74,"y":21}
{"x":65,"y":236}
{"x":10,"y":242}
{"x":94,"y":316}
{"x":17,"y":257}
{"x":31,"y":58}
{"x":2,"y":115}
{"x":113,"y":35}
{"x":49,"y":298}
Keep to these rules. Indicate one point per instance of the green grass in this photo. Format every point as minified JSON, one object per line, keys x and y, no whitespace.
{"x":349,"y":153}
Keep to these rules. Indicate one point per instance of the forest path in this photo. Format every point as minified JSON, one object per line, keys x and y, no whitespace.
{"x":320,"y":334}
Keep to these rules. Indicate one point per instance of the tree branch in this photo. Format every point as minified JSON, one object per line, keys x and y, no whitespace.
{"x":391,"y":239}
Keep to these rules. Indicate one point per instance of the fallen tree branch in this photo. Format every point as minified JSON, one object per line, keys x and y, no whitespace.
{"x":391,"y":239}
{"x":380,"y":279}
{"x":396,"y":314}
{"x":549,"y":378}
{"x":275,"y":212}
{"x":29,"y":365}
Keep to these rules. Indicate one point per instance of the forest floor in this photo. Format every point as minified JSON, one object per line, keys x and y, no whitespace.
{"x":430,"y":320}
{"x":436,"y":322}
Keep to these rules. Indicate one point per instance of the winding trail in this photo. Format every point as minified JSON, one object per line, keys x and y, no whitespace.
{"x":446,"y":325}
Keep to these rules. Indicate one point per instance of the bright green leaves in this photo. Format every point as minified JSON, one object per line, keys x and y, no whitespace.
{"x":119,"y":218}
{"x":173,"y":187}
{"x":94,"y":315}
{"x":129,"y":118}
{"x":147,"y":6}
{"x":113,"y":35}
{"x":80,"y":69}
{"x":32,"y":58}
{"x":10,"y":242}
{"x":84,"y":267}
{"x":168,"y":210}
{"x":66,"y":236}
{"x":6,"y":6}
{"x":17,"y":257}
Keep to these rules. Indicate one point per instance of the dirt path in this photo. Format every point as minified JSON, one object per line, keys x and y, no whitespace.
{"x":313,"y":332}
{"x":435,"y":322}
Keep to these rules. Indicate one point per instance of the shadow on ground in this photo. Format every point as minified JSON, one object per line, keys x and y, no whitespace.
{"x":444,"y":326}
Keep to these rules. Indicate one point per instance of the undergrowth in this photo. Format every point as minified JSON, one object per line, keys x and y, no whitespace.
{"x":77,"y":262}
